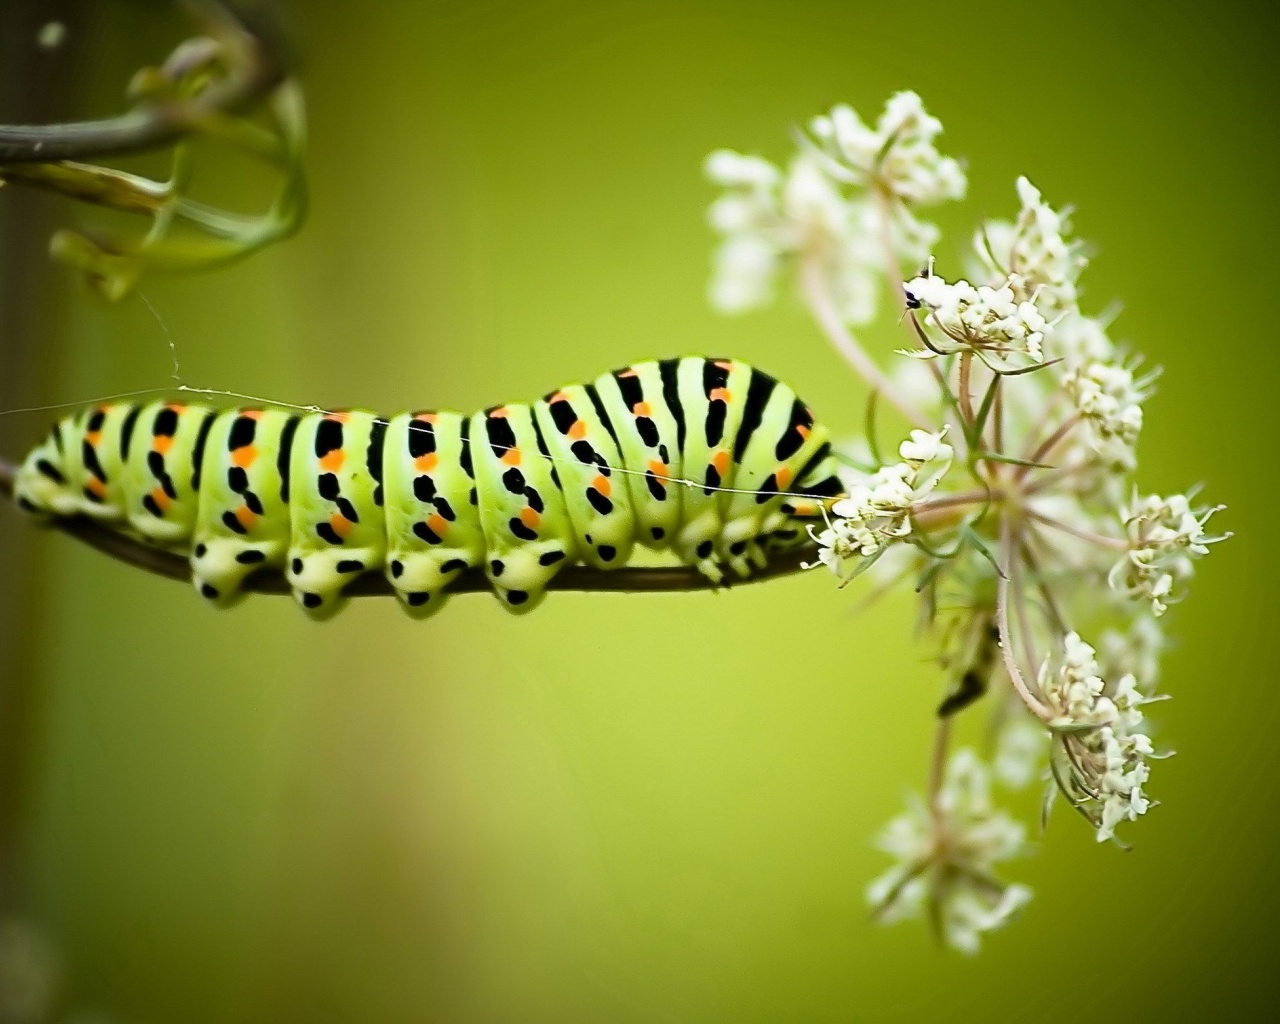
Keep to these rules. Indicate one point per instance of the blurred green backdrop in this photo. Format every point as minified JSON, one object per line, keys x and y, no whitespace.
{"x":620,"y":808}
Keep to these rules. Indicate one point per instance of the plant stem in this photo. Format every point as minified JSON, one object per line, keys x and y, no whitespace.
{"x":1033,"y":703}
{"x":1113,"y":543}
{"x":813,"y":285}
{"x":938,"y":767}
{"x":636,"y":579}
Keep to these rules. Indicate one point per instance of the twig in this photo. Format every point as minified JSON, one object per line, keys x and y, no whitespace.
{"x":259,"y":70}
{"x":575,"y":577}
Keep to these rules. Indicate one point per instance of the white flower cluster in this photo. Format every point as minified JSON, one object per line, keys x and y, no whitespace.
{"x":821,"y":211}
{"x":1102,"y":753}
{"x":982,"y":319}
{"x":876,"y":511}
{"x":767,"y":217}
{"x":1029,"y":541}
{"x":748,"y":215}
{"x":898,"y":155}
{"x":1036,"y":251}
{"x":1165,"y":536}
{"x":947,"y":860}
{"x":1109,"y":400}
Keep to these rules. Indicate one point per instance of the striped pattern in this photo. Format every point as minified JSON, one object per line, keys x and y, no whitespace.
{"x":710,"y":459}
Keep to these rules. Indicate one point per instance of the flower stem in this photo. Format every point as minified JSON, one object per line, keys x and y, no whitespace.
{"x":1049,"y":444}
{"x":1036,"y":706}
{"x":814,"y":287}
{"x":938,"y":767}
{"x":1113,"y":543}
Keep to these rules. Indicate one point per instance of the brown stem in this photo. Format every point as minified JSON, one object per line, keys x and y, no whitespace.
{"x":259,"y":68}
{"x":1048,"y":445}
{"x":966,"y":398}
{"x":938,"y":767}
{"x":1037,"y":706}
{"x":636,"y":579}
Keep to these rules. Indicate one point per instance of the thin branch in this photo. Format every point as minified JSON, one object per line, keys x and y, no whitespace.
{"x":1036,"y":706}
{"x":818,"y":297}
{"x":260,"y":67}
{"x":575,"y":577}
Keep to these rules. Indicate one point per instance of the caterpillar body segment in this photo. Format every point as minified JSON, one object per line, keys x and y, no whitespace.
{"x":644,"y":416}
{"x":242,"y":519}
{"x":165,"y":444}
{"x":336,"y":501}
{"x":431,"y":506}
{"x":708,"y":458}
{"x":523,"y":512}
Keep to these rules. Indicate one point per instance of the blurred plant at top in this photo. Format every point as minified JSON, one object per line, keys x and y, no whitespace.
{"x":228,"y":85}
{"x":1010,"y":508}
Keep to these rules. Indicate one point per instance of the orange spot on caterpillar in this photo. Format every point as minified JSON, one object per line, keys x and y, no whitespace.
{"x":721,"y":461}
{"x":601,"y":483}
{"x":511,"y":457}
{"x":578,"y":430}
{"x":252,"y":414}
{"x":176,"y":407}
{"x":94,"y":437}
{"x":500,"y":413}
{"x":626,"y":373}
{"x":642,"y":409}
{"x":803,"y":431}
{"x":658,"y":469}
{"x":720,"y":395}
{"x":341,"y":525}
{"x":162,"y":444}
{"x":338,"y":417}
{"x":332,"y":461}
{"x":724,"y":364}
{"x":559,"y":396}
{"x":246,"y":516}
{"x":426,"y":417}
{"x":783,"y":476}
{"x":426,"y":463}
{"x":530,"y":517}
{"x":243,"y":457}
{"x":437,"y":524}
{"x":162,"y":500}
{"x":97,"y":486}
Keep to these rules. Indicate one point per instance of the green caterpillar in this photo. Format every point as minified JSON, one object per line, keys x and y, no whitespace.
{"x":708,"y":458}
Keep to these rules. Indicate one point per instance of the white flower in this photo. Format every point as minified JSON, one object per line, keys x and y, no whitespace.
{"x":1075,"y":691}
{"x":876,"y":511}
{"x":1165,"y":536}
{"x":768,"y":218}
{"x":982,"y":318}
{"x":898,"y":155}
{"x":948,"y":860}
{"x":1035,"y":250}
{"x":1109,"y":401}
{"x":1099,"y":753}
{"x":922,"y":447}
{"x":968,"y":914}
{"x":1081,"y":339}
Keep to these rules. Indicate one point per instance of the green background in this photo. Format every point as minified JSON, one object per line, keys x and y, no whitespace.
{"x":625,"y":808}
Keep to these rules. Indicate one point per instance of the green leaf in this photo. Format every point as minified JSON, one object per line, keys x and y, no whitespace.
{"x":973,"y":538}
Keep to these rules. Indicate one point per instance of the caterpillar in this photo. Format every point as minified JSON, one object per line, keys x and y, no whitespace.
{"x":710,"y":459}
